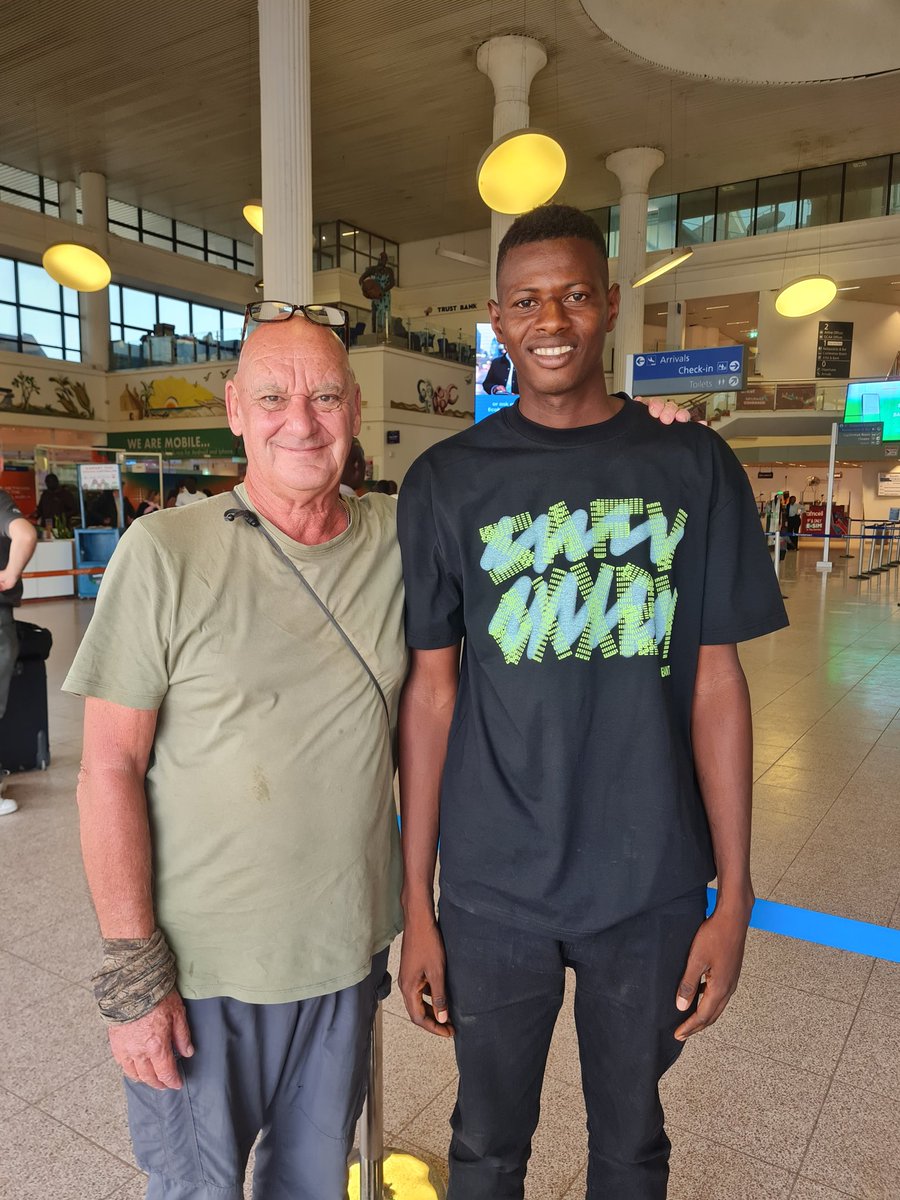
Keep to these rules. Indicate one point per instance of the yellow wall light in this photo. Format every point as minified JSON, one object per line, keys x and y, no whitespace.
{"x":405,"y":1178}
{"x":661,"y":266}
{"x":807,"y":295}
{"x":253,"y":215}
{"x":77,"y":267}
{"x":520,"y":171}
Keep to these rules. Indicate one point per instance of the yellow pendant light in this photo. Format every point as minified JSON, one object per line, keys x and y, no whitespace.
{"x":77,"y":267}
{"x":253,"y":215}
{"x":661,"y":266}
{"x":520,"y":171}
{"x":807,"y":295}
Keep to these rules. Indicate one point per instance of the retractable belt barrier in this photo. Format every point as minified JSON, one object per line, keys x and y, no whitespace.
{"x":879,"y":546}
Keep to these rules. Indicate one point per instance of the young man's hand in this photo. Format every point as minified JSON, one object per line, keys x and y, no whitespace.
{"x":666,"y":411}
{"x":422,"y":973}
{"x":717,"y":953}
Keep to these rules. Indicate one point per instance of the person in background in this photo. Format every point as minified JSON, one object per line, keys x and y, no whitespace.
{"x":56,"y":501}
{"x":354,"y":476}
{"x":171,"y":497}
{"x":18,"y":539}
{"x":151,"y":504}
{"x":793,"y":522}
{"x":501,"y":377}
{"x":188,"y":492}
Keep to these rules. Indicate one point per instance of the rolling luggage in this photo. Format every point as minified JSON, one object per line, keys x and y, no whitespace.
{"x":24,"y":730}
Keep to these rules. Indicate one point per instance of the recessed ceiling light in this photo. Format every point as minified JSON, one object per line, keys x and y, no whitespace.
{"x":854,"y":287}
{"x":713,"y":307}
{"x":661,"y":314}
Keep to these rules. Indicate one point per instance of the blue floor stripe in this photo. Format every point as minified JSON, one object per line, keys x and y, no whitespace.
{"x":859,"y":937}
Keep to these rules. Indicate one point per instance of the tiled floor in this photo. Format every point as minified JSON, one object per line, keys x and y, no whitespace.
{"x":795,"y":1093}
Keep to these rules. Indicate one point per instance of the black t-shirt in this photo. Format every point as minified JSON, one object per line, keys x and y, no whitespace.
{"x":8,"y":513}
{"x":583,"y":568}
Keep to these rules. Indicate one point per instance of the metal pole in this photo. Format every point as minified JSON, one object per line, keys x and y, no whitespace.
{"x":823,"y":564}
{"x":778,"y":552}
{"x":883,"y":531}
{"x":870,"y":569}
{"x":371,"y":1128}
{"x":862,"y":554}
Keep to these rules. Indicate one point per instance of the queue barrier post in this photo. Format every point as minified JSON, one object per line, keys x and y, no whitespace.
{"x":882,"y":538}
{"x":371,"y":1125}
{"x":865,"y":574}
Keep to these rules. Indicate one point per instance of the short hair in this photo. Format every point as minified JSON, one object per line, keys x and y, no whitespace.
{"x":547,"y":223}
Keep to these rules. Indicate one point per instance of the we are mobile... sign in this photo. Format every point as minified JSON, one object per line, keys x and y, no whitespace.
{"x":682,"y":372}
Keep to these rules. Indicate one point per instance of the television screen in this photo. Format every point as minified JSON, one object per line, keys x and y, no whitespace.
{"x":875,"y":400}
{"x":495,"y":376}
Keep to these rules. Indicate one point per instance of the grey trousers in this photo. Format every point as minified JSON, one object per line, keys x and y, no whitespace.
{"x":9,"y":652}
{"x":296,"y":1073}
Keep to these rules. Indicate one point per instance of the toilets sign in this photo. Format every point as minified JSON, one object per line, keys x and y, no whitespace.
{"x":682,"y":372}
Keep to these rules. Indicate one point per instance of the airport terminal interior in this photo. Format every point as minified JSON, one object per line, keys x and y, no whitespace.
{"x":199,"y":157}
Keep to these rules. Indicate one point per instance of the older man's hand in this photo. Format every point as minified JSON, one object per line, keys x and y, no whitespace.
{"x":145,"y":1049}
{"x":665,"y":411}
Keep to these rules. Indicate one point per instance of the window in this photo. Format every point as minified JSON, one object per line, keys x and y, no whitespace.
{"x":133,"y":314}
{"x":776,"y":204}
{"x":340,"y":244}
{"x":866,"y":188}
{"x":895,"y":185}
{"x":612,"y":241}
{"x":661,"y":212}
{"x":820,"y":196}
{"x":28,"y":190}
{"x":696,"y":217}
{"x":37,"y":316}
{"x":734,"y":210}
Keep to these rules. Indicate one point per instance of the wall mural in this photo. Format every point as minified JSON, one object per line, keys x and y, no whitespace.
{"x":46,"y":396}
{"x":439,"y":400}
{"x":175,"y":396}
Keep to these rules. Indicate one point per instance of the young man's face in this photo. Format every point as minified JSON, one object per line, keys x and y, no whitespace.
{"x":553,"y":312}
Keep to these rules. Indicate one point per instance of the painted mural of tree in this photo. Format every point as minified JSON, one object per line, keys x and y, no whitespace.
{"x":73,"y":397}
{"x":28,"y":387}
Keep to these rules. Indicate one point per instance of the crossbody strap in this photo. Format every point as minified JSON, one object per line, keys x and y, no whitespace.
{"x":292,"y":566}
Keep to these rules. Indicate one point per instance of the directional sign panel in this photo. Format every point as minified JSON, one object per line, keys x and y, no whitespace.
{"x":864,"y":433}
{"x":680,"y":372}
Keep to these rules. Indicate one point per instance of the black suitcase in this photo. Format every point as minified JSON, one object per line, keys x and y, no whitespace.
{"x":24,"y":730}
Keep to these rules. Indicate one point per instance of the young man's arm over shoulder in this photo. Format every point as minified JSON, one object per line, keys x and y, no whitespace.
{"x":426,"y":710}
{"x":722,"y":735}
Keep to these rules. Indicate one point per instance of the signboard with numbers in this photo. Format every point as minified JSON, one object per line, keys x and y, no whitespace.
{"x":834,"y":349}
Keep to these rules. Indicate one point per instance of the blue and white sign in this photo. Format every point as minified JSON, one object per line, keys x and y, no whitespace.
{"x":680,"y":372}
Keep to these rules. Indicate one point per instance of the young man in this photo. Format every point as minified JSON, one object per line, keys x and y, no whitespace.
{"x":588,"y":764}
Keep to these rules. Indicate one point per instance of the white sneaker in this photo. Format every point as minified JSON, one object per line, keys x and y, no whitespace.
{"x":7,"y":806}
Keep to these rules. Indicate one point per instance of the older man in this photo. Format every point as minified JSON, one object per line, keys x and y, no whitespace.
{"x":242,"y":672}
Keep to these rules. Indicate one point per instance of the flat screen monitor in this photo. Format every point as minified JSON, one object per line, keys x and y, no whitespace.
{"x":495,"y":378}
{"x":875,"y":400}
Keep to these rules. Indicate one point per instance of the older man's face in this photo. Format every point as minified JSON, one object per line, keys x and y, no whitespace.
{"x":296,"y":405}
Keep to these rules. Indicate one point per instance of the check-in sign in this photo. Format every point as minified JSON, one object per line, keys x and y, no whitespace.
{"x":681,"y":372}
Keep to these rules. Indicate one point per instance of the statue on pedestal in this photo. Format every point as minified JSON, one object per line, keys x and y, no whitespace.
{"x":376,"y":283}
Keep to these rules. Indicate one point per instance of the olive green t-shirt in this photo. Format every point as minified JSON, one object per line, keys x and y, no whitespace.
{"x":269,"y":788}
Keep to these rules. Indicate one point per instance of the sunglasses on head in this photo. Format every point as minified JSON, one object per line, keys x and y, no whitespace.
{"x":262,"y":311}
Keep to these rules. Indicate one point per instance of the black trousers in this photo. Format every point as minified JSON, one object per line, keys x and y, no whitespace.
{"x":505,"y":988}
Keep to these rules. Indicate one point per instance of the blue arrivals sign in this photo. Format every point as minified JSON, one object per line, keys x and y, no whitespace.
{"x":680,"y":372}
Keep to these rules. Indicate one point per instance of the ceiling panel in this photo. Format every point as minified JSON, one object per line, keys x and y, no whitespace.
{"x":162,"y":98}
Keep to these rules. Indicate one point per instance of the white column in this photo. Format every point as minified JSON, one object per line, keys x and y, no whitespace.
{"x":284,"y":103}
{"x":94,"y":306}
{"x":68,"y":201}
{"x":511,"y":63}
{"x":634,"y":168}
{"x":676,"y":324}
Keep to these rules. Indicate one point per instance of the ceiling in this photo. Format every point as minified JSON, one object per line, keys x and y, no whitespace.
{"x":163,"y":99}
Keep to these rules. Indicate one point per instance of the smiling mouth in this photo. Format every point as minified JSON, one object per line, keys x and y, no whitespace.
{"x":552,"y":351}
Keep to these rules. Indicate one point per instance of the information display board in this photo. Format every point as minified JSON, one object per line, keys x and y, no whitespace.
{"x":869,"y":433}
{"x":681,"y":372}
{"x":873,"y":400}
